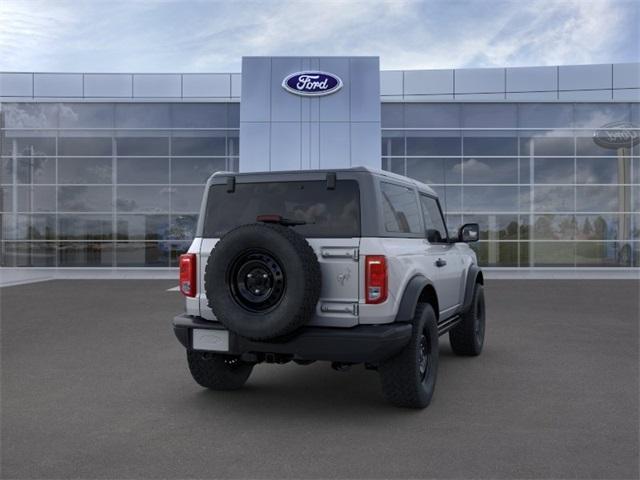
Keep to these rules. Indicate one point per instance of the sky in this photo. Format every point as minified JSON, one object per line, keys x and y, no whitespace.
{"x":212,"y":36}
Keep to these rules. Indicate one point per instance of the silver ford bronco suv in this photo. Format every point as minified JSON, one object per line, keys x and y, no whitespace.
{"x":348,"y":266}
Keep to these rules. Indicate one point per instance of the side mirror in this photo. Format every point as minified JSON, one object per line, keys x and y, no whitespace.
{"x":469,"y":232}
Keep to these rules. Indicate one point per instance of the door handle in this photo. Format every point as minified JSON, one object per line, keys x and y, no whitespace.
{"x":440,"y":262}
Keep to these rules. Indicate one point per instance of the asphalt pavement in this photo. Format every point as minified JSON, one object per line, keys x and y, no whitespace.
{"x":94,"y":385}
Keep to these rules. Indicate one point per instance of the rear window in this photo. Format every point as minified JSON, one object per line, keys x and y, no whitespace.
{"x":327,"y":213}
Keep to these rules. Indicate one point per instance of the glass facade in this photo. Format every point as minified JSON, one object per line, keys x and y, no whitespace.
{"x":119,"y":184}
{"x":108,"y":184}
{"x":543,"y":191}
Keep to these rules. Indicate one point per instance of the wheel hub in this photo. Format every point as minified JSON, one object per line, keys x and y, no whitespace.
{"x":257,"y":281}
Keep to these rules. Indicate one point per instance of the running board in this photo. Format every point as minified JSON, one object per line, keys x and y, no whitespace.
{"x":448,"y":324}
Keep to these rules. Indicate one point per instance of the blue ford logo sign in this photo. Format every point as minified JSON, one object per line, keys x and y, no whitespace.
{"x":312,"y":84}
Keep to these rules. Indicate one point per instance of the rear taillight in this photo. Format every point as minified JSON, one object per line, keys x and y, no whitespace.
{"x":188,"y":274}
{"x":376,"y":279}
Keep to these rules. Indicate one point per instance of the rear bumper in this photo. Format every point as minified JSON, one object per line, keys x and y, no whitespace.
{"x":363,"y":343}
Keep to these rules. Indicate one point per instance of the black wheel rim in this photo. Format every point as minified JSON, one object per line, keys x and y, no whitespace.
{"x":424,"y":357}
{"x":479,"y":322}
{"x":257,"y":281}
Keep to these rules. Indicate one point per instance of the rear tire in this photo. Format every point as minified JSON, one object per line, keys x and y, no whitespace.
{"x":218,"y":372}
{"x":409,"y":378}
{"x":467,"y":338}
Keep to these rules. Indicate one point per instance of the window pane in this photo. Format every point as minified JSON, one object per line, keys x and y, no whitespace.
{"x":177,"y":249}
{"x":29,"y":227}
{"x":392,"y":115}
{"x":85,"y":199}
{"x":483,"y":115}
{"x":392,"y":144}
{"x":326,"y":213}
{"x":495,"y":227}
{"x":496,"y":254}
{"x":425,"y":144}
{"x":450,"y":198}
{"x":603,"y":170}
{"x":143,"y":170}
{"x":434,"y":223}
{"x":400,"y":208}
{"x":36,"y":170}
{"x":186,"y":199}
{"x":143,"y":199}
{"x":435,"y":170}
{"x":552,"y":254}
{"x":143,"y":227}
{"x":91,"y":146}
{"x":28,"y":146}
{"x":26,"y":254}
{"x":80,"y":254}
{"x":490,"y":170}
{"x":604,"y":254}
{"x":183,"y":227}
{"x":603,"y":198}
{"x":142,"y":146}
{"x":198,"y":146}
{"x":553,"y":199}
{"x":200,"y":115}
{"x":604,"y":227}
{"x":147,"y":115}
{"x":195,"y":170}
{"x":554,"y":170}
{"x":587,"y":147}
{"x":545,"y":115}
{"x":30,"y":115}
{"x":85,"y":227}
{"x":488,"y":146}
{"x":86,"y":115}
{"x":84,"y":170}
{"x":425,"y":115}
{"x":554,"y":227}
{"x":599,"y":114}
{"x":36,"y":199}
{"x":546,"y":146}
{"x":131,"y":254}
{"x":490,"y":199}
{"x":394,"y":165}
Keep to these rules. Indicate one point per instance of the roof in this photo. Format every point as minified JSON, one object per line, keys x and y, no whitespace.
{"x":369,"y":170}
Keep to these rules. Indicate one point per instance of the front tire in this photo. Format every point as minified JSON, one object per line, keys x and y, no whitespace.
{"x":467,"y":338}
{"x":218,"y":372}
{"x":409,"y":378}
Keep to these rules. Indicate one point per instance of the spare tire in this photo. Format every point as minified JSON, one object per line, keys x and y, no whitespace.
{"x":262,"y":281}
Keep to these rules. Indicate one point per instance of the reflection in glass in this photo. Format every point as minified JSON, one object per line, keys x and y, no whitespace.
{"x":553,"y":199}
{"x":195,"y":170}
{"x":425,"y":144}
{"x":80,"y":254}
{"x":603,"y":170}
{"x":85,"y":146}
{"x":495,"y":227}
{"x":553,"y":170}
{"x":143,"y":199}
{"x":142,"y":146}
{"x":137,"y":254}
{"x":143,"y":227}
{"x":496,"y":254}
{"x":186,"y":199}
{"x":435,"y":170}
{"x":199,"y":146}
{"x":552,"y":254}
{"x":490,"y":170}
{"x":143,"y":170}
{"x":84,"y":199}
{"x":28,"y":254}
{"x":488,"y":199}
{"x":36,"y":198}
{"x":554,"y":227}
{"x":84,"y":170}
{"x":85,"y":227}
{"x":604,"y":254}
{"x":603,"y":198}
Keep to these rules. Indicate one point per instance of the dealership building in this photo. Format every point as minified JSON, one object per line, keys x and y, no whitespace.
{"x":107,"y":170}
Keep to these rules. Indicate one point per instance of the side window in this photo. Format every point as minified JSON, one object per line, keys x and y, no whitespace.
{"x":400,"y":208}
{"x":434,"y":223}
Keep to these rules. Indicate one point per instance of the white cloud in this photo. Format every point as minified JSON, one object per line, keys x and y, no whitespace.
{"x":213,"y":36}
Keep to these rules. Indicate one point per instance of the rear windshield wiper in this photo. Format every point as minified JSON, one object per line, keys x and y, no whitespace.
{"x":280,"y":220}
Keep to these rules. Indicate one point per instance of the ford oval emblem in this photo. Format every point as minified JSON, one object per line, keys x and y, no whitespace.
{"x":312,"y":84}
{"x":617,"y":135}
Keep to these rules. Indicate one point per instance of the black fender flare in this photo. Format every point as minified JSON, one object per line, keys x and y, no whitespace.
{"x":410,"y":297}
{"x":472,"y":277}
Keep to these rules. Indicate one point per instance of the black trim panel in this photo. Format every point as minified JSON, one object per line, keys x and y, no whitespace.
{"x":363,"y":343}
